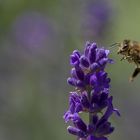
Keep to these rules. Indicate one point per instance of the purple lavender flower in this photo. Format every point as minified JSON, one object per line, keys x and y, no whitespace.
{"x":91,"y":94}
{"x":92,"y":61}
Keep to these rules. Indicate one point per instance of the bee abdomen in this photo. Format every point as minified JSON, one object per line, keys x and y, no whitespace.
{"x":136,"y":72}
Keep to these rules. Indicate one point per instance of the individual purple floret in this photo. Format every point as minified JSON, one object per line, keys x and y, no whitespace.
{"x":91,"y":94}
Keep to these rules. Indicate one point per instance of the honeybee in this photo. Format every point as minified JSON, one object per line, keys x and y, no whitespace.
{"x":130,"y":51}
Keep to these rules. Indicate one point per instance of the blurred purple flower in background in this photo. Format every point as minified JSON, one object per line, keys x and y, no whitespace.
{"x":31,"y":29}
{"x":99,"y":14}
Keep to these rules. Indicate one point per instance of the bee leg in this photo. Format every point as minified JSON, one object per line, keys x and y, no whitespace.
{"x":129,"y":59}
{"x":135,"y":73}
{"x":123,"y":58}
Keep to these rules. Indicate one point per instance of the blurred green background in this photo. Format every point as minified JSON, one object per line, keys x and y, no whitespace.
{"x":36,"y":39}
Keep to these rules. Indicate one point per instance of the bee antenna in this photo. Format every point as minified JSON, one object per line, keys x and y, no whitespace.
{"x":114,"y":45}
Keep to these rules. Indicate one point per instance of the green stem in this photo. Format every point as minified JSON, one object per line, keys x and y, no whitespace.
{"x":90,"y":114}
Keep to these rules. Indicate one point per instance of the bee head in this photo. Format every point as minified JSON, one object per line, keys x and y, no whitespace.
{"x":124,"y":46}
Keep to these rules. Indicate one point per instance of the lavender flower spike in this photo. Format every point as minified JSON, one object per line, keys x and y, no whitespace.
{"x":91,"y":94}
